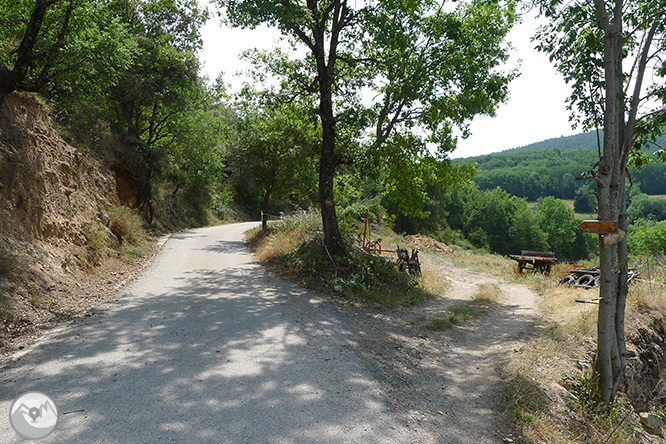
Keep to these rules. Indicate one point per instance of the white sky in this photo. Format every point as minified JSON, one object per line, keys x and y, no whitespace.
{"x":535,"y":111}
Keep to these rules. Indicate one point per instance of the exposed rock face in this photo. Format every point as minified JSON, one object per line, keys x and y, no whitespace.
{"x":48,"y":189}
{"x":53,"y":213}
{"x":644,"y":381}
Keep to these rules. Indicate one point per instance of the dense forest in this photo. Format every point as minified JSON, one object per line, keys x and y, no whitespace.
{"x":551,"y":168}
{"x":194,"y":153}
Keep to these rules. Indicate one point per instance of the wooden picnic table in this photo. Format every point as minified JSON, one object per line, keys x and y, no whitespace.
{"x":534,"y":260}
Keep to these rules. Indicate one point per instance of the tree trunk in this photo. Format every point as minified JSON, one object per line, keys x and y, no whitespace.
{"x":606,"y":333}
{"x":622,"y":292}
{"x":611,"y":188}
{"x":327,"y":159}
{"x":264,"y":207}
{"x":327,"y":165}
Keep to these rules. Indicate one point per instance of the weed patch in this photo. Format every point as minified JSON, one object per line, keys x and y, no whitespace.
{"x":488,"y":294}
{"x":7,"y":262}
{"x":453,"y":317}
{"x":127,"y":225}
{"x":98,"y":242}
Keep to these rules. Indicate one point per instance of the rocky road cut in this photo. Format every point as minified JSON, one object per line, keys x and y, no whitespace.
{"x":206,"y":347}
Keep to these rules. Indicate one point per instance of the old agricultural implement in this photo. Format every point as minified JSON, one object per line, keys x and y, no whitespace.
{"x":407,"y":263}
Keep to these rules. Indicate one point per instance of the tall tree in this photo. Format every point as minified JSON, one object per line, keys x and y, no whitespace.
{"x":277,"y":143}
{"x":425,"y":66}
{"x":590,"y":42}
{"x":43,"y":40}
{"x":151,"y":96}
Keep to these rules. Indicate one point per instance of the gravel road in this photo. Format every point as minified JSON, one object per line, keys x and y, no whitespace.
{"x":206,"y":347}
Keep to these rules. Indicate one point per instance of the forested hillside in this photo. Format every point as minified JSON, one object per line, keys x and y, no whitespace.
{"x":578,"y":141}
{"x":550,"y":168}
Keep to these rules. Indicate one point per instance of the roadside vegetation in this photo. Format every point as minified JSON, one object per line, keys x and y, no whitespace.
{"x":124,"y":235}
{"x":550,"y":393}
{"x":293,"y":246}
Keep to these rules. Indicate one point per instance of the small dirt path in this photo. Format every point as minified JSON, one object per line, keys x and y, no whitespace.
{"x":447,"y":384}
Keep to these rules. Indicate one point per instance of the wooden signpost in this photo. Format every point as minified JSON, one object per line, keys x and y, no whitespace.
{"x":598,"y":226}
{"x":607,"y":228}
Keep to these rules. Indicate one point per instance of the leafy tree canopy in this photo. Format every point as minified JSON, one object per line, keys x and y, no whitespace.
{"x":391,"y":79}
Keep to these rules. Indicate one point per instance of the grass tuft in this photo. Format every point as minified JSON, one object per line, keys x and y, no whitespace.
{"x":98,"y":242}
{"x":454,"y":316}
{"x":127,"y":225}
{"x":488,"y":294}
{"x":7,"y":262}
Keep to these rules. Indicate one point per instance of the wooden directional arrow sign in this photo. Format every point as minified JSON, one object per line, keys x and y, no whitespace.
{"x":613,"y":238}
{"x":598,"y":226}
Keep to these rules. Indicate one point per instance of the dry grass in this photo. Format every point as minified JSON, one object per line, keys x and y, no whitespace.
{"x":432,"y":281}
{"x":488,"y":294}
{"x":284,"y":235}
{"x":480,"y":260}
{"x":127,"y":225}
{"x":97,"y":242}
{"x":276,"y":244}
{"x":558,"y":362}
{"x":644,"y":295}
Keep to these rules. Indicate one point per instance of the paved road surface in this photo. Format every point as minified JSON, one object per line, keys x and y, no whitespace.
{"x":206,"y":347}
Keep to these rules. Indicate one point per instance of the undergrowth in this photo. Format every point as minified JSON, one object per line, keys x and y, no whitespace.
{"x":124,"y":235}
{"x":7,"y":262}
{"x":127,"y":225}
{"x":551,"y":395}
{"x":294,"y":247}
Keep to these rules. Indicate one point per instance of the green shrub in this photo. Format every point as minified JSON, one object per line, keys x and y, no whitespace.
{"x":356,"y":274}
{"x":647,"y":237}
{"x":644,"y":207}
{"x":127,"y":225}
{"x":98,"y":242}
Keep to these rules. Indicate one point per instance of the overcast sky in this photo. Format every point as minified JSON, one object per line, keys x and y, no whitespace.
{"x":535,"y":111}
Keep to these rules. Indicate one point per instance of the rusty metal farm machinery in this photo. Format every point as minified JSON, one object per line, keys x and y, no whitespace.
{"x":407,"y":263}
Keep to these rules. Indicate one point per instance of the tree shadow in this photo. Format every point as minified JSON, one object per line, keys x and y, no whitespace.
{"x":449,"y":382}
{"x":231,"y":354}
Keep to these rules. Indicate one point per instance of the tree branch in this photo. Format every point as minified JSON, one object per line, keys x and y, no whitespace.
{"x":296,"y":30}
{"x":59,"y":43}
{"x":633,"y":109}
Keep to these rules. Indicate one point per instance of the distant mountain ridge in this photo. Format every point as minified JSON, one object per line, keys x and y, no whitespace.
{"x":577,"y":141}
{"x":550,"y":168}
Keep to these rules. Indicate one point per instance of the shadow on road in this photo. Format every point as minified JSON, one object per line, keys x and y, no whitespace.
{"x":215,"y":355}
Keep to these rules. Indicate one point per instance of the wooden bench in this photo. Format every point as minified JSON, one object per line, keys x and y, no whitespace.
{"x":534,"y":260}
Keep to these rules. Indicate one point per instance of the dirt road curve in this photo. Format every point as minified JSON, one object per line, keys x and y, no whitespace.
{"x":206,"y":347}
{"x":448,"y":385}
